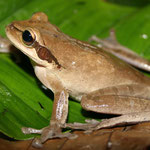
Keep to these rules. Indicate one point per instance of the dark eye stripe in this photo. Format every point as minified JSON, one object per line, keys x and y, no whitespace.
{"x":27,"y":37}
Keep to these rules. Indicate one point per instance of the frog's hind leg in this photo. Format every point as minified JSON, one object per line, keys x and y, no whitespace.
{"x":127,"y":119}
{"x":125,"y":100}
{"x":109,"y":42}
{"x":111,"y":45}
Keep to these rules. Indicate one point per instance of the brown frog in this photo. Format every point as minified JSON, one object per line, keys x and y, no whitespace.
{"x":102,"y":82}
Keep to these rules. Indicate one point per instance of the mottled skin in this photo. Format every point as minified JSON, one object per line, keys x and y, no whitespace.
{"x":102,"y":82}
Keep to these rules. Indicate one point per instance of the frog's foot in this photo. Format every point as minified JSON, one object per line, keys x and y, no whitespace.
{"x":47,"y":133}
{"x":110,"y":42}
{"x":126,"y":119}
{"x":88,"y":126}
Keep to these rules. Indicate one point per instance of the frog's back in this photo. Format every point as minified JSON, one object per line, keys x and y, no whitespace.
{"x":85,"y":68}
{"x":90,"y":69}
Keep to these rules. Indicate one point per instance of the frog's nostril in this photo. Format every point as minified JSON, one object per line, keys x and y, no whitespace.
{"x":9,"y":27}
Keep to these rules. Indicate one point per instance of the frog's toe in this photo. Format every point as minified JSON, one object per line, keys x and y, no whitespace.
{"x":92,"y":121}
{"x":50,"y":134}
{"x":83,"y":126}
{"x":37,"y":143}
{"x":47,"y":133}
{"x":26,"y":130}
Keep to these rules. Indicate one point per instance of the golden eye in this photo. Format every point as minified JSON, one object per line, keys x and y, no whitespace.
{"x":28,"y":38}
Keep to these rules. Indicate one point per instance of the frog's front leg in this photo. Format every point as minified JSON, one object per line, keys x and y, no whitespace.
{"x":58,"y":119}
{"x":130,"y":101}
{"x":5,"y":45}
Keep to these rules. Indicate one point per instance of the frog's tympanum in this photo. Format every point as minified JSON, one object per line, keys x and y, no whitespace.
{"x":100,"y":81}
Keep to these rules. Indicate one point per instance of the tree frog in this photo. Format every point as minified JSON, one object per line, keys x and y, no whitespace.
{"x":69,"y":67}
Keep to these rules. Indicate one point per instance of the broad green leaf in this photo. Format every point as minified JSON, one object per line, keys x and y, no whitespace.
{"x":23,"y":101}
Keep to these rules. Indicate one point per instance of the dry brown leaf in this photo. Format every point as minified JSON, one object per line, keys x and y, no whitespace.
{"x":136,"y":137}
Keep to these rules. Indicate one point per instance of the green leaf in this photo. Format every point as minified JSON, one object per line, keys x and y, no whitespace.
{"x":22,"y":100}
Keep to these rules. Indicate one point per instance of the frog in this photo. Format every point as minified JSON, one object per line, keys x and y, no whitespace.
{"x":92,"y":75}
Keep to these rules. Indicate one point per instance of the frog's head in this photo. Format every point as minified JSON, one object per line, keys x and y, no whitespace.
{"x":28,"y":36}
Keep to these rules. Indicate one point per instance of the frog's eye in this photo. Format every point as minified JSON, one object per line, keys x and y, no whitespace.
{"x":28,"y":38}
